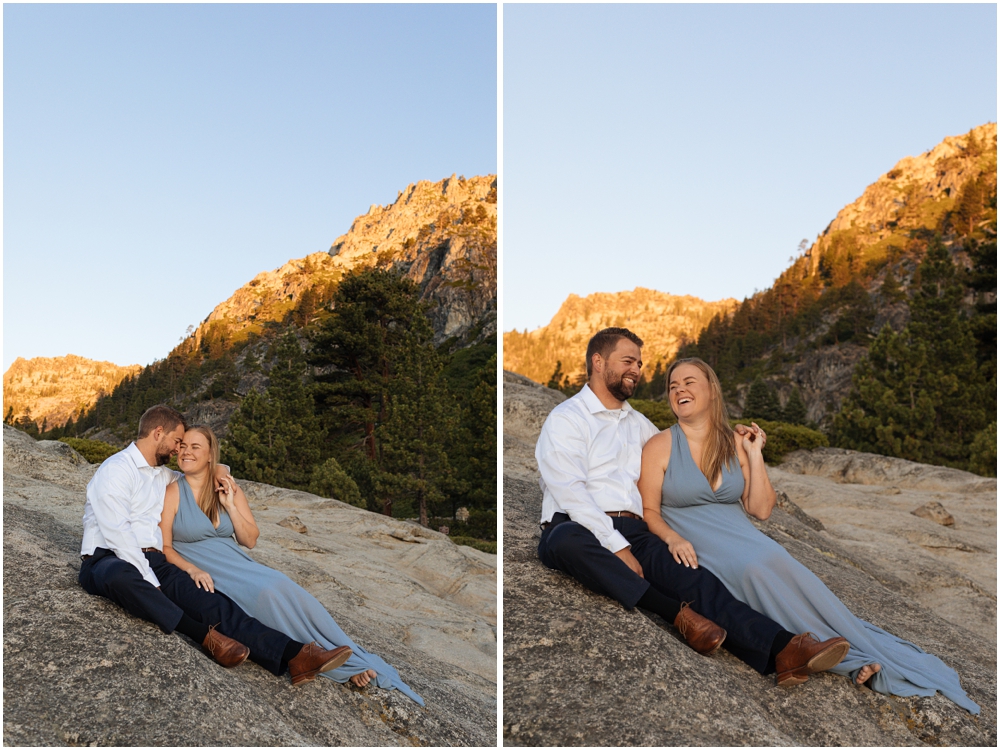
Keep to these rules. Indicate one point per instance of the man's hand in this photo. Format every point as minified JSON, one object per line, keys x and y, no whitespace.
{"x":221,"y":472}
{"x":629,"y":559}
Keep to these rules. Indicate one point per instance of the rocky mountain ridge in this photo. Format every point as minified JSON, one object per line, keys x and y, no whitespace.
{"x":581,"y":670}
{"x":876,"y":235}
{"x":78,"y":670}
{"x":442,"y":235}
{"x":50,"y":390}
{"x":916,"y":187}
{"x":663,"y":321}
{"x":880,"y":234}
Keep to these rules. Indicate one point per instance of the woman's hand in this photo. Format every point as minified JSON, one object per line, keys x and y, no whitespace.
{"x":683,"y":551}
{"x":753,"y":438}
{"x":202,"y":579}
{"x":227,"y":495}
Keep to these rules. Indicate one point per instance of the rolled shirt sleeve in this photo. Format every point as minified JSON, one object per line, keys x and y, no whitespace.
{"x":564,"y":464}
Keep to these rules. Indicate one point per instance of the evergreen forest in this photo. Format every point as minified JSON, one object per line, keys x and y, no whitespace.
{"x":921,"y":303}
{"x":910,"y":296}
{"x":346,"y":397}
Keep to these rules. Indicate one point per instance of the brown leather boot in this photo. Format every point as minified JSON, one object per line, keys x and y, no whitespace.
{"x":223,"y":649}
{"x":313,"y":659}
{"x":701,"y":634}
{"x":804,"y":655}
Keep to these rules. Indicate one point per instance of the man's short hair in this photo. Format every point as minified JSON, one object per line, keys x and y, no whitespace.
{"x":604,"y":342}
{"x":160,"y":416}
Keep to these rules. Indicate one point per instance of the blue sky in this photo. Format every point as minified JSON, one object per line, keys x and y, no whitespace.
{"x":690,"y":148}
{"x":158,"y":157}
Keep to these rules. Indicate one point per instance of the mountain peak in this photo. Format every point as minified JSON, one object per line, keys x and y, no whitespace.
{"x":53,"y":389}
{"x":442,"y":235}
{"x":663,"y":321}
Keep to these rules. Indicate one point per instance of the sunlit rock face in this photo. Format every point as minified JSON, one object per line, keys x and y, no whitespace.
{"x":663,"y":322}
{"x":442,"y":235}
{"x":53,"y":389}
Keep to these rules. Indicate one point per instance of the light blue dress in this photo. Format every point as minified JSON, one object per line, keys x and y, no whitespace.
{"x":267,"y":594}
{"x":761,"y":573}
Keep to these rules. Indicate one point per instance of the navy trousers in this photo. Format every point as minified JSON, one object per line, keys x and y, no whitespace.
{"x":104,"y":574}
{"x":571,"y":548}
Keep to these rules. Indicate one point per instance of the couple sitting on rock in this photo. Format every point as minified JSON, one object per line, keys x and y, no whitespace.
{"x":630,"y":512}
{"x":159,"y":543}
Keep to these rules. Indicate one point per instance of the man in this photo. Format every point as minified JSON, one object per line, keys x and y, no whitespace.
{"x":123,"y":561}
{"x":589,"y":456}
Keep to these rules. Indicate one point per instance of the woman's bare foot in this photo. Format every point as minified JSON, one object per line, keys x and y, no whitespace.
{"x":866,"y":673}
{"x":362,"y":679}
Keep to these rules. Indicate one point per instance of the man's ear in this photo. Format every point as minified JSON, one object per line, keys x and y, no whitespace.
{"x":597,"y":363}
{"x":157,"y":434}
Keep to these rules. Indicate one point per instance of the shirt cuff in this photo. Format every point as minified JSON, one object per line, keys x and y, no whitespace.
{"x":151,"y":577}
{"x":616,"y":542}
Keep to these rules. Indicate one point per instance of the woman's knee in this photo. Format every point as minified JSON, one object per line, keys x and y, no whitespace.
{"x":761,"y":567}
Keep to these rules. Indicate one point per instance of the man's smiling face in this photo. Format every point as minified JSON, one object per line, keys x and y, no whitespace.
{"x":622,"y":368}
{"x":169,"y":445}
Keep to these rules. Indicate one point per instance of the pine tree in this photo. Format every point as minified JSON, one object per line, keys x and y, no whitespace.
{"x":761,"y":402}
{"x":983,"y":458}
{"x":970,"y":206}
{"x":795,"y":408}
{"x":275,"y":436}
{"x":481,"y":459}
{"x":891,"y":290}
{"x":377,"y":324}
{"x":420,"y":420}
{"x":887,"y":411}
{"x":920,"y":394}
{"x":330,"y":480}
{"x":256,"y":443}
{"x":555,"y":382}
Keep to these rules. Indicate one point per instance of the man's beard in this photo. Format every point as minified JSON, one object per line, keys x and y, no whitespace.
{"x":619,"y":388}
{"x":162,"y":459}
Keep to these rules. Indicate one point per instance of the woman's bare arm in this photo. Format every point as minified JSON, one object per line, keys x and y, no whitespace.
{"x":655,"y":458}
{"x":758,"y":496}
{"x":171,"y":500}
{"x":236,"y":504}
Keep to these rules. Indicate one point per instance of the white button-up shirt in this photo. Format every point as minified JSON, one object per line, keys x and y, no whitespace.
{"x":589,"y":457}
{"x":124,"y":504}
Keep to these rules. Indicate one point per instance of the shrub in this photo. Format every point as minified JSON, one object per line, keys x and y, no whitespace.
{"x":478,"y":544}
{"x":95,"y":451}
{"x":983,"y":460}
{"x":657,"y":412}
{"x":783,"y":438}
{"x":330,"y":480}
{"x":482,"y":525}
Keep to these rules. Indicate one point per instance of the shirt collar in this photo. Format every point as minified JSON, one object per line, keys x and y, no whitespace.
{"x":137,"y":458}
{"x":594,"y":404}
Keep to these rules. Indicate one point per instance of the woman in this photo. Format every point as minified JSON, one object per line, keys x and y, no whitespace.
{"x":198,"y":525}
{"x":697,"y":480}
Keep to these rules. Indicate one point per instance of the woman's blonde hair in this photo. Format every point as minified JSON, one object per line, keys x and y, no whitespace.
{"x":208,"y":499}
{"x":720,"y":447}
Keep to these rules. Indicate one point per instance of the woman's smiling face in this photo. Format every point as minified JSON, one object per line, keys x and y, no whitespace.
{"x":195,"y":453}
{"x":689,"y":391}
